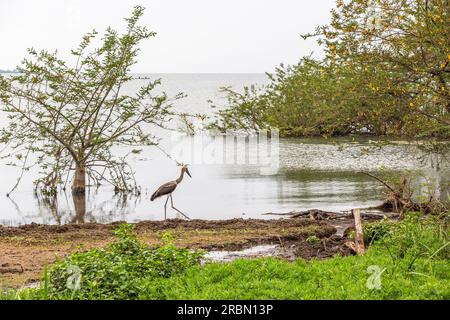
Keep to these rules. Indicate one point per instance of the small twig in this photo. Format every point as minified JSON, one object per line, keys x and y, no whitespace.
{"x":22,"y":171}
{"x":169,"y":156}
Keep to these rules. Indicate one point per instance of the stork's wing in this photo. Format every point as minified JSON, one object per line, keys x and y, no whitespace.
{"x":166,"y":188}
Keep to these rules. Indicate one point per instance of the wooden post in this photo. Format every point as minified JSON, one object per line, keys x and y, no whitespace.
{"x":359,"y":236}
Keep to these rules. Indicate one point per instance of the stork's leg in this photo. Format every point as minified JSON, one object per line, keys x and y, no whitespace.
{"x":171,"y":202}
{"x":165,"y":207}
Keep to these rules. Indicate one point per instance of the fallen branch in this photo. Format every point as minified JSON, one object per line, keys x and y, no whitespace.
{"x":378,"y":179}
{"x":316,"y":214}
{"x":400,"y":198}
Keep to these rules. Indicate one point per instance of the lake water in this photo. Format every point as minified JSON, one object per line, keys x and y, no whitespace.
{"x":313,"y":173}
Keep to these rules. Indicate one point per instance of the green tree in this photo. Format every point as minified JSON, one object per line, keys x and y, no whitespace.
{"x":70,"y":117}
{"x":386,"y":72}
{"x":313,"y":98}
{"x":406,"y":40}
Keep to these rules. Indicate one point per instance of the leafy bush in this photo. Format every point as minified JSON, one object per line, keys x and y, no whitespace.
{"x":377,"y":230}
{"x":416,"y":236}
{"x":363,"y":84}
{"x":313,"y":239}
{"x":116,"y":271}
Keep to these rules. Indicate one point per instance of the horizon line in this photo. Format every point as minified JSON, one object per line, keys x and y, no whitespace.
{"x":159,"y":72}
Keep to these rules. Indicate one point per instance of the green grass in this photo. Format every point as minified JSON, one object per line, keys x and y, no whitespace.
{"x":336,"y":278}
{"x":413,"y":257}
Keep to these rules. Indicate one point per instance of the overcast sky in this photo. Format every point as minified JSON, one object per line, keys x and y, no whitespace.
{"x":193,"y":36}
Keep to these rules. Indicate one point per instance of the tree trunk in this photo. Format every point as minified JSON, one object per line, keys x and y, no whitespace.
{"x":79,"y":181}
{"x":79,"y":201}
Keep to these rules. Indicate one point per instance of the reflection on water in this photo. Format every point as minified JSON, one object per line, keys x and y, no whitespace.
{"x":230,"y":191}
{"x":65,"y":209}
{"x":314,"y":173}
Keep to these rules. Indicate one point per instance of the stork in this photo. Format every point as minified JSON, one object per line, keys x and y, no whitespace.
{"x":168,"y":188}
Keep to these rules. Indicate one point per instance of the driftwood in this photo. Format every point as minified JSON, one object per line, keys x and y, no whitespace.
{"x":400,"y":198}
{"x":316,"y":214}
{"x":397,"y":198}
{"x":290,"y":213}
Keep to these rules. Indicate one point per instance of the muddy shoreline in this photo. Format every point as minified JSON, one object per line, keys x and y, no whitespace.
{"x":25,"y":250}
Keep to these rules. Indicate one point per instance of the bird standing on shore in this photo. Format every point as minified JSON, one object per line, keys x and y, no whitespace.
{"x":168,"y":188}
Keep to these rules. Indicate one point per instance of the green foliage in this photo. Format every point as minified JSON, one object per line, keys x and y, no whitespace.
{"x":416,"y":237}
{"x":70,"y":114}
{"x":117,"y":271}
{"x":407,"y":41}
{"x":386,"y":72}
{"x":313,"y":239}
{"x":377,"y":230}
{"x":413,"y":256}
{"x":312,"y":98}
{"x":336,"y":278}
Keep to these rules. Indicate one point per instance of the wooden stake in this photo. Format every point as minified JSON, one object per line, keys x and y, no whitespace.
{"x":359,"y":236}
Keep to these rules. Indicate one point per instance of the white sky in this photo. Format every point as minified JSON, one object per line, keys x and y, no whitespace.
{"x":193,"y":36}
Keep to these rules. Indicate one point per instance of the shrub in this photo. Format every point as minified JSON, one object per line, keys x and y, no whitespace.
{"x":312,"y":239}
{"x":116,"y":271}
{"x":416,"y":236}
{"x":377,"y":230}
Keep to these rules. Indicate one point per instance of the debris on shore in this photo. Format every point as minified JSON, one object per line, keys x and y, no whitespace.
{"x":313,"y":234}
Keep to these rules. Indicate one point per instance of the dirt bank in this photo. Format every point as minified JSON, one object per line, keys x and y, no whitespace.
{"x":25,"y":250}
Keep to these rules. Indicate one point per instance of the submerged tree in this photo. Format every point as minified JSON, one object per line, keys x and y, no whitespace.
{"x":71,"y":117}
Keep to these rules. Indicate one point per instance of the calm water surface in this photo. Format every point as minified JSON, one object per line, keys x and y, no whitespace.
{"x":314,"y":173}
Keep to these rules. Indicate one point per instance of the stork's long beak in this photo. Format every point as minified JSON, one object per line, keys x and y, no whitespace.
{"x":187,"y":171}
